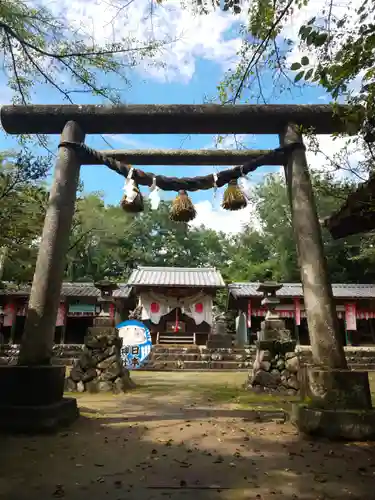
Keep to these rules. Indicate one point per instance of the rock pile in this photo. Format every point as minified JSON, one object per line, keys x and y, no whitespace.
{"x":100,"y":367}
{"x":275,"y":371}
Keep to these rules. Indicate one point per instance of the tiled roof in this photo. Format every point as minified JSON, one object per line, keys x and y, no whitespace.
{"x":198,"y":277}
{"x":340,"y":290}
{"x":69,"y":290}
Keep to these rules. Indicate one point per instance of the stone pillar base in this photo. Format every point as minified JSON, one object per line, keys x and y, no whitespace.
{"x":348,"y":425}
{"x":275,"y":369}
{"x":336,"y":389}
{"x":32,"y":399}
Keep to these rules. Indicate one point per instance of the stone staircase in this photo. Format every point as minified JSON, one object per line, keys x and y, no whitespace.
{"x":358,"y":358}
{"x":195,"y":358}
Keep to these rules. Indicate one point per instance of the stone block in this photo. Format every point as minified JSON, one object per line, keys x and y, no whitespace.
{"x":265,"y":355}
{"x":31,"y":385}
{"x":337,"y":389}
{"x":35,"y":419}
{"x":334,"y":424}
{"x":292,"y":363}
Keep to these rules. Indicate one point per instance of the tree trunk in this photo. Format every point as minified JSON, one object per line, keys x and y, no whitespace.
{"x":38,"y":336}
{"x":327,"y":349}
{"x":3,"y":257}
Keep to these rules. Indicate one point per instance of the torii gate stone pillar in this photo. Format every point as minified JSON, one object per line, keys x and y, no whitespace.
{"x":31,"y":393}
{"x":331,"y":390}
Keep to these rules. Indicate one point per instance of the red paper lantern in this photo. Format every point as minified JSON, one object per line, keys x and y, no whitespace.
{"x":155,"y":308}
{"x":199,"y":308}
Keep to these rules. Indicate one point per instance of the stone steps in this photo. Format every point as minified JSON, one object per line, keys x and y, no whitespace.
{"x":196,"y":365}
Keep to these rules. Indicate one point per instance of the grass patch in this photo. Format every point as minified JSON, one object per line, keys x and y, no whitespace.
{"x":221,"y":394}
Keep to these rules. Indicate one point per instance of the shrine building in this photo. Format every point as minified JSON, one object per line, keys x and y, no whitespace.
{"x":355,"y":306}
{"x":77,"y":309}
{"x":177,"y":303}
{"x":177,"y":306}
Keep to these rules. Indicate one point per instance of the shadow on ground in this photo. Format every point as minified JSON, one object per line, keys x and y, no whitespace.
{"x":147,"y":446}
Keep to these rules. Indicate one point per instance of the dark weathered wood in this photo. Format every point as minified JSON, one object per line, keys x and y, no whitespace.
{"x":356,"y":215}
{"x":172,"y":119}
{"x":326,"y":346}
{"x":38,"y":336}
{"x":187,"y":157}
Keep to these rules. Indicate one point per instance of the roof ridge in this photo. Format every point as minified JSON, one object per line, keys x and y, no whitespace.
{"x":249,"y":283}
{"x":176,"y":268}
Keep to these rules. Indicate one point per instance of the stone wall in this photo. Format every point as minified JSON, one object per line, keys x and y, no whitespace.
{"x":357,"y":357}
{"x":275,"y":371}
{"x":199,"y":357}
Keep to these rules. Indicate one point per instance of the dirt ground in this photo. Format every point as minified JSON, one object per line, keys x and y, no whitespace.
{"x":179,"y":436}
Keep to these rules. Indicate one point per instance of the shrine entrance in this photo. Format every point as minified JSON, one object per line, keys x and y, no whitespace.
{"x":288,"y":121}
{"x":344,"y":388}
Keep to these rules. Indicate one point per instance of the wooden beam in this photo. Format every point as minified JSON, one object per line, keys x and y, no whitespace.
{"x":173,"y":119}
{"x":188,"y":157}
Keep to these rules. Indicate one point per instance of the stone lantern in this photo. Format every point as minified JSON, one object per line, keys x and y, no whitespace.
{"x":273,"y":327}
{"x":101,"y":368}
{"x":105,"y":301}
{"x":276,"y":364}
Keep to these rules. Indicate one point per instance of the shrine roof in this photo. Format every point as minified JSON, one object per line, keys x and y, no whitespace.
{"x":340,"y":290}
{"x":194,"y":277}
{"x":68,"y":290}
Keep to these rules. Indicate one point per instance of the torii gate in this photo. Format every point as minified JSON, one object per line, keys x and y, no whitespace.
{"x":288,"y":121}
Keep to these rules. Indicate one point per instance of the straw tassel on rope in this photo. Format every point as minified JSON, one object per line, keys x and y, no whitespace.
{"x":182,"y":209}
{"x":136,"y":205}
{"x":233,"y":198}
{"x":132,"y":201}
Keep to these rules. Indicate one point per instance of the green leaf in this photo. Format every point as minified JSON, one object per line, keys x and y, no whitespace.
{"x":299,"y":76}
{"x":320,"y":39}
{"x":309,"y":74}
{"x":295,"y":66}
{"x":305,"y":60}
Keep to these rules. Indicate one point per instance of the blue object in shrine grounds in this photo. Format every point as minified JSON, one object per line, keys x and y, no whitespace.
{"x":136,"y":343}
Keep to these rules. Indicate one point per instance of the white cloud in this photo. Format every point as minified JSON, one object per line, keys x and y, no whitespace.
{"x":192,"y":35}
{"x":214,"y":217}
{"x":333,"y":153}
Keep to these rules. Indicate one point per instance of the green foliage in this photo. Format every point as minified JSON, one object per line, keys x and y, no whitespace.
{"x":40,"y":48}
{"x":345,"y":52}
{"x":105,"y":242}
{"x":23,"y":199}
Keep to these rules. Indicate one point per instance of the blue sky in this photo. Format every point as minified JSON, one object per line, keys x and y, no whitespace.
{"x":142,"y":91}
{"x":194,"y":67}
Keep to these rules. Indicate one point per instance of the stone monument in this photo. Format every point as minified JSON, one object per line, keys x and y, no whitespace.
{"x":219,"y":337}
{"x":276,"y":363}
{"x":100,"y":368}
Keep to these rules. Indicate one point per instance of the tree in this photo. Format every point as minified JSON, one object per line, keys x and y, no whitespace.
{"x":23,"y":199}
{"x":343,"y":256}
{"x":106,"y":242}
{"x":39,"y":47}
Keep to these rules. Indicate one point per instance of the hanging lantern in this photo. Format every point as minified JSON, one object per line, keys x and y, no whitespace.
{"x":199,"y":308}
{"x":132,"y":201}
{"x":182,"y":208}
{"x":154,"y":307}
{"x":154,"y":195}
{"x":233,"y":198}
